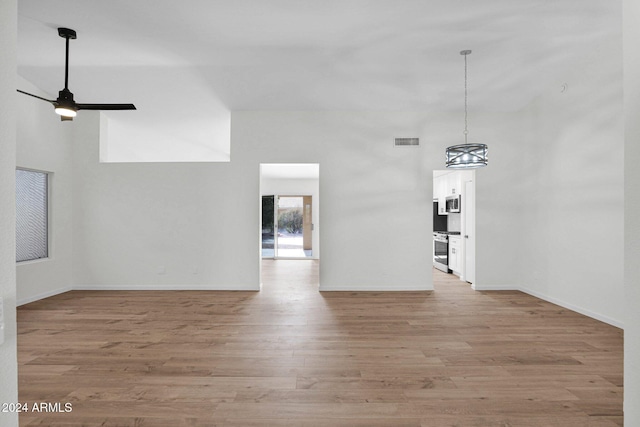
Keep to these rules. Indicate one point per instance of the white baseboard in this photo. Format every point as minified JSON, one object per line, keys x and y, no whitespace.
{"x":166,"y":287}
{"x":379,"y":288}
{"x":572,"y":307}
{"x":23,"y":301}
{"x":544,"y":297}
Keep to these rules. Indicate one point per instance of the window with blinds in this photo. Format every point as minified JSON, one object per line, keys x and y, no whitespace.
{"x":31,"y":215}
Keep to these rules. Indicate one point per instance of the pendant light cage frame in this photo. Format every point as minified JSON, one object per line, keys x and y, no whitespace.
{"x":466,"y":156}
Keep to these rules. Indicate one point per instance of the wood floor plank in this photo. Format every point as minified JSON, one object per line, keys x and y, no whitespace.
{"x":291,"y":356}
{"x":516,"y":421}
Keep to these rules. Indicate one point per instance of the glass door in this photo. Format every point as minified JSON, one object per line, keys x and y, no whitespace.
{"x":268,"y":227}
{"x":287,"y":227}
{"x":290,"y":242}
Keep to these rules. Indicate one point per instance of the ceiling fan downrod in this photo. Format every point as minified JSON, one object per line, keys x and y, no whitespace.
{"x":67,"y":33}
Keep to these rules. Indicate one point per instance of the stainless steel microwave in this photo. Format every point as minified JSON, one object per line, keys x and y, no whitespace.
{"x":453,"y":203}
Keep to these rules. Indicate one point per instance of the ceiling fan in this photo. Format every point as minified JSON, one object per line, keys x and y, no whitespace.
{"x":65,"y":106}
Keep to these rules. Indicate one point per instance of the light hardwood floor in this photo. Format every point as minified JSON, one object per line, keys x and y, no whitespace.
{"x":291,"y":356}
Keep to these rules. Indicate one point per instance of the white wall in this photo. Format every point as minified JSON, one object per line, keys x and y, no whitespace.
{"x":192,"y":225}
{"x":132,"y":219}
{"x":632,"y":213}
{"x":572,"y":194}
{"x":8,"y":360}
{"x":298,"y":187}
{"x":376,"y":211}
{"x":161,"y":225}
{"x":44,"y":143}
{"x":498,"y":209}
{"x":156,"y":132}
{"x":376,"y":198}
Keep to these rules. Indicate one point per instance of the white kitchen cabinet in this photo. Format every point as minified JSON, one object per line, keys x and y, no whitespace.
{"x":455,"y":254}
{"x":448,"y":184}
{"x":453,"y":184}
{"x":440,"y":193}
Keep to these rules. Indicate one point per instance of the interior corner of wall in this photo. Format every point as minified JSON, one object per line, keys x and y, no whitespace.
{"x":104,"y":138}
{"x":225,"y":132}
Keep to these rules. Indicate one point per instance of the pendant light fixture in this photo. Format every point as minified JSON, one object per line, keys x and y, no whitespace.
{"x":466,"y":156}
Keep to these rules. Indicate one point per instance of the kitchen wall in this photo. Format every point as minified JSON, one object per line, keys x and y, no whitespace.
{"x":44,"y":143}
{"x":572,"y":196}
{"x":632,"y":213}
{"x":454,"y":222}
{"x":298,"y":187}
{"x":8,"y":81}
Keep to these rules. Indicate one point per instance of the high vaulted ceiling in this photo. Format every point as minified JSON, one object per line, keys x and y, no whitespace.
{"x":200,"y":56}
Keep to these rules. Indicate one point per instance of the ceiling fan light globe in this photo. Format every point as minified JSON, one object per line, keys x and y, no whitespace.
{"x":66,"y":112}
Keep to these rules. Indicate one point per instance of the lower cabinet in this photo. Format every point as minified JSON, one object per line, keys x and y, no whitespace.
{"x":455,"y":253}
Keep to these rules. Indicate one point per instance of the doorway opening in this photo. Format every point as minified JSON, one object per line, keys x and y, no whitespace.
{"x":289,"y":214}
{"x":454,"y":227}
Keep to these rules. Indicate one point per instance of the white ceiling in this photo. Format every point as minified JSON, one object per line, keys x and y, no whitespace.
{"x":202,"y":55}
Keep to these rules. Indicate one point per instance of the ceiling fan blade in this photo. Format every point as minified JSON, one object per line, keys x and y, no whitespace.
{"x":106,"y":107}
{"x":36,"y":96}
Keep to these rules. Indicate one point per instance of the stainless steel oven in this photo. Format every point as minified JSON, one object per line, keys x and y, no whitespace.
{"x":441,"y":252}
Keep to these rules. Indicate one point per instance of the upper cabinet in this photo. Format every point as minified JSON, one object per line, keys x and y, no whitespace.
{"x":446,"y":185}
{"x":453,"y":184}
{"x":440,"y":192}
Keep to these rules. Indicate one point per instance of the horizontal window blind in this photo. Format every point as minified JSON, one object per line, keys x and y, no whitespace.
{"x":31,"y":215}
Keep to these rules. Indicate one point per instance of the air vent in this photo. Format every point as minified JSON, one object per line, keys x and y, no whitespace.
{"x":407,"y":141}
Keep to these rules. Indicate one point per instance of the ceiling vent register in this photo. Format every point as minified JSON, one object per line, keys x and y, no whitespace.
{"x":404,"y":142}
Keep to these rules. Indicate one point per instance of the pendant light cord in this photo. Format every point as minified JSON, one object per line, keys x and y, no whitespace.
{"x":465,"y":99}
{"x":466,"y":156}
